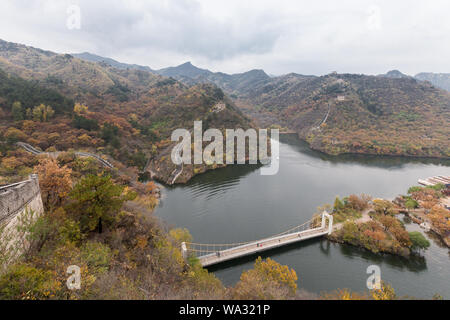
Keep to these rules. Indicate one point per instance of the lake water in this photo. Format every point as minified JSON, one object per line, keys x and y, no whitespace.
{"x":237,"y":204}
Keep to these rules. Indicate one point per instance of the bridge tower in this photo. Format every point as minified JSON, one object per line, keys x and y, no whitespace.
{"x":184,"y":250}
{"x":329,"y":217}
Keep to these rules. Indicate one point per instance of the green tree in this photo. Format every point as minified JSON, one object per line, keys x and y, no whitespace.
{"x":81,"y":122}
{"x":109,"y":134}
{"x":350,"y":232}
{"x":414,"y":189}
{"x":29,"y":113}
{"x":97,"y":199}
{"x":383,"y":206}
{"x":419,"y":242}
{"x":338,"y":205}
{"x":411,"y":204}
{"x":17,"y":111}
{"x":43,"y":113}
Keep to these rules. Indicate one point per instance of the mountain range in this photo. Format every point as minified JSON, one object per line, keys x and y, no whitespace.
{"x":188,"y":72}
{"x":390,"y":114}
{"x":113,"y":63}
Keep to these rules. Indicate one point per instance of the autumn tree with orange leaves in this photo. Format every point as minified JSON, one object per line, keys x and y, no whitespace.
{"x":55,"y":181}
{"x":440,"y":218}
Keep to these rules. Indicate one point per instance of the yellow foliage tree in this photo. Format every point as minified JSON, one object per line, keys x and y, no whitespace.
{"x":85,"y":139}
{"x":13,"y":134}
{"x":440,"y":218}
{"x":43,"y":113}
{"x":29,"y":126}
{"x":267,"y":280}
{"x":344,"y":294}
{"x":386,"y":292}
{"x":383,"y":206}
{"x":80,"y":109}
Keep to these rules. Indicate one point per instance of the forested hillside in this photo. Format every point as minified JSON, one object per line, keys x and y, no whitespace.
{"x":31,"y":94}
{"x":59,"y":102}
{"x":345,"y":113}
{"x":391,"y":114}
{"x":365,"y":114}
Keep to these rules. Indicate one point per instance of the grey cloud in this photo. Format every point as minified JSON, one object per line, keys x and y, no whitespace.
{"x":179,"y":26}
{"x":280,"y":36}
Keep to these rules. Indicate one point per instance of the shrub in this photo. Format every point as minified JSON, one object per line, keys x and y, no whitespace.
{"x":414,"y":189}
{"x":386,"y":292}
{"x":109,"y":134}
{"x":411,"y":204}
{"x":383,"y":206}
{"x":96,"y":255}
{"x":26,"y":282}
{"x":70,"y":231}
{"x":358,"y":202}
{"x":17,"y":111}
{"x":81,"y":122}
{"x":418,"y":241}
{"x":14,"y":135}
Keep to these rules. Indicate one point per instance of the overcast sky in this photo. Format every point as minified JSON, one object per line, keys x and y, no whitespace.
{"x":281,"y":36}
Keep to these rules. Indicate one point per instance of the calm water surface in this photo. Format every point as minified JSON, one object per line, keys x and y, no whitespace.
{"x":238,"y":204}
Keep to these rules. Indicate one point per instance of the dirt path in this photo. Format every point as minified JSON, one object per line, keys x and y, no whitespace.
{"x":364,"y":218}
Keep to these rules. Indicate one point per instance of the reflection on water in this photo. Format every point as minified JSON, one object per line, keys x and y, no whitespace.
{"x":218,"y":182}
{"x":237,"y":204}
{"x":414,"y":263}
{"x":387,"y":162}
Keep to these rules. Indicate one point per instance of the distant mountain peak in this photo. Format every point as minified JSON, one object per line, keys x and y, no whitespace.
{"x":440,"y":80}
{"x":395,"y":74}
{"x":186,"y":69}
{"x":260,"y":71}
{"x":113,"y":63}
{"x":255,"y":74}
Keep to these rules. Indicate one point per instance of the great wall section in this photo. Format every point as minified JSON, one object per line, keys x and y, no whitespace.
{"x":17,"y":197}
{"x":15,"y":201}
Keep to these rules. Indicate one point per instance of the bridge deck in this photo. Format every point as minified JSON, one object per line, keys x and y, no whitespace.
{"x":261,"y":245}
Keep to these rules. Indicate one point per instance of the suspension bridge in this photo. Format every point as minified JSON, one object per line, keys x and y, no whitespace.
{"x":210,"y":254}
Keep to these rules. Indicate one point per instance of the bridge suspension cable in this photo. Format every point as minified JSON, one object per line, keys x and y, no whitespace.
{"x":203,"y":249}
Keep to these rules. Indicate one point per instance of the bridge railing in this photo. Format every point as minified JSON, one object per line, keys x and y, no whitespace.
{"x":203,"y":249}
